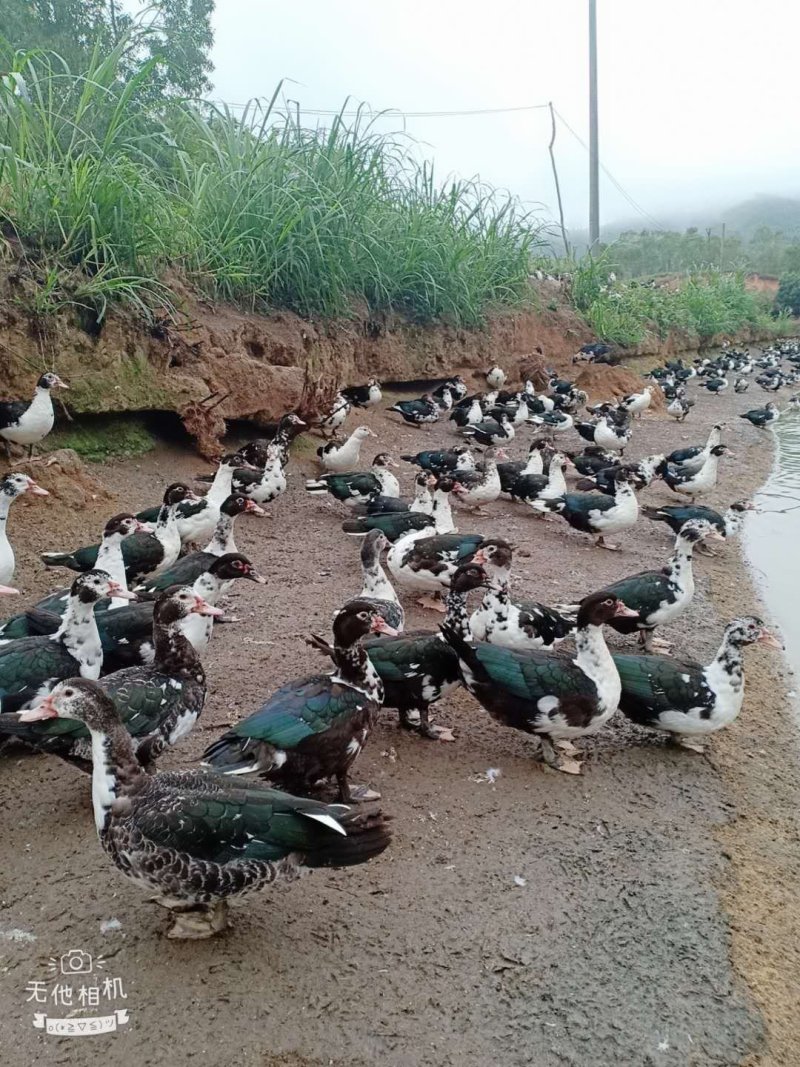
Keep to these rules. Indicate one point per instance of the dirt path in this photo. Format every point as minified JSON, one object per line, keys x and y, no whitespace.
{"x":617,"y":949}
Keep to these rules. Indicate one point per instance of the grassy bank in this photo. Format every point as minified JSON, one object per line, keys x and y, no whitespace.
{"x":107,"y":193}
{"x":700,"y":305}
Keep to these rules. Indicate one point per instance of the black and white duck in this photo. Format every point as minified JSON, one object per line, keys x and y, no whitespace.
{"x":702,"y":481}
{"x":197,"y":518}
{"x":474,"y":489}
{"x":418,"y":668}
{"x":495,"y":377}
{"x":363,"y":396}
{"x":12,"y":486}
{"x":512,"y":623}
{"x":684,"y":698}
{"x":158,"y":703}
{"x":187,"y":569}
{"x":340,"y":456}
{"x":677,"y":515}
{"x":691,"y":459}
{"x":26,"y":422}
{"x":456,"y":385}
{"x":492,"y":431}
{"x":741,"y":385}
{"x":376,"y":589}
{"x":393,"y":526}
{"x":336,"y":415}
{"x":554,"y":421}
{"x":637,"y":403}
{"x":33,"y":664}
{"x":446,"y":460}
{"x":643,"y":473}
{"x":313,"y":728}
{"x":422,"y":501}
{"x":612,"y":434}
{"x":679,"y":407}
{"x":530,"y":488}
{"x":762,"y":417}
{"x":257,"y":453}
{"x":593,"y":459}
{"x":426,"y":563}
{"x":598,"y":513}
{"x":659,"y":597}
{"x":716,"y":384}
{"x":421,"y":412}
{"x":554,"y":698}
{"x":198,"y":839}
{"x":467,"y":414}
{"x":441,"y":512}
{"x":512,"y":469}
{"x":143,"y":553}
{"x":357,"y":487}
{"x":265,"y":483}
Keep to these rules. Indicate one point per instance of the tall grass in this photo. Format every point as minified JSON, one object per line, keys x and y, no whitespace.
{"x":701,"y":305}
{"x":260,"y":209}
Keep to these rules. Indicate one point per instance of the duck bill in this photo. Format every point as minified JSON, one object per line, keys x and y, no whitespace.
{"x":202,"y":607}
{"x":254,"y":576}
{"x":45,"y":710}
{"x":36,"y":489}
{"x":771,"y":640}
{"x":59,"y":383}
{"x":6,"y":590}
{"x":714,"y":535}
{"x":115,"y":590}
{"x":480,"y":558}
{"x":253,"y":509}
{"x":381,"y":626}
{"x":622,"y":611}
{"x":142,"y":527}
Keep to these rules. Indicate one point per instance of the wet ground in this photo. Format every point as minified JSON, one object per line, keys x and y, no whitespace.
{"x":644,"y":914}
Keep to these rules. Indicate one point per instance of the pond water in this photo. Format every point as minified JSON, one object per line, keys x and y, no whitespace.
{"x":772,"y":536}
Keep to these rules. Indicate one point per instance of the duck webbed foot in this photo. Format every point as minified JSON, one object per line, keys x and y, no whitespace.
{"x":362,"y":794}
{"x":432,"y":601}
{"x":200,"y":922}
{"x":561,"y":760}
{"x":689,"y":743}
{"x":602,"y":543}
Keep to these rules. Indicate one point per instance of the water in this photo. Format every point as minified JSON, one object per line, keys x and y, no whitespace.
{"x":772,"y":534}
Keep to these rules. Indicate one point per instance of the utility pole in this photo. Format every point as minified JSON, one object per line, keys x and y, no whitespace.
{"x":594,"y":155}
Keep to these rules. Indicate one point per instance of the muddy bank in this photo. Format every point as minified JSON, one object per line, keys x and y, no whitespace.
{"x":658,"y":917}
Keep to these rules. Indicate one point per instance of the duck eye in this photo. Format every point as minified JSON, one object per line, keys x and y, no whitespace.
{"x":69,"y":692}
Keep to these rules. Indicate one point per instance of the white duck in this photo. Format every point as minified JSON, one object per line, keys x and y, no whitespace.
{"x":495,"y":377}
{"x":344,"y":456}
{"x":637,"y":403}
{"x":340,"y":409}
{"x":23,"y":423}
{"x":12,"y":486}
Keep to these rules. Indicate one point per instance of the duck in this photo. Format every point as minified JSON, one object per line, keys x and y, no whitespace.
{"x":343,"y":455}
{"x":762,"y":417}
{"x":418,"y":668}
{"x":336,"y":416}
{"x":257,"y":453}
{"x":659,"y":597}
{"x":196,"y":518}
{"x":422,"y":501}
{"x":158,"y":703}
{"x":702,"y":481}
{"x":197,"y":839}
{"x":637,"y":403}
{"x":495,"y":377}
{"x":265,"y":484}
{"x":420,"y":412}
{"x":715,"y":385}
{"x":554,"y":698}
{"x":28,"y":422}
{"x":643,"y":474}
{"x":685,"y":699}
{"x":555,"y":421}
{"x":467,"y":414}
{"x":313,"y":728}
{"x":376,"y":589}
{"x":422,"y":504}
{"x":348,"y":487}
{"x":609,"y":433}
{"x":474,"y":489}
{"x":512,"y":623}
{"x":456,"y":385}
{"x":444,"y":401}
{"x":679,"y":408}
{"x":677,"y":515}
{"x":492,"y":431}
{"x":446,"y":460}
{"x":598,"y":513}
{"x":441,"y":512}
{"x":691,"y":459}
{"x":12,"y":486}
{"x":393,"y":526}
{"x":33,"y":663}
{"x":529,"y":488}
{"x":537,"y":402}
{"x":592,"y":460}
{"x":187,"y":569}
{"x":427,"y":563}
{"x":143,"y":553}
{"x":363,"y":396}
{"x":741,"y":385}
{"x":513,"y":469}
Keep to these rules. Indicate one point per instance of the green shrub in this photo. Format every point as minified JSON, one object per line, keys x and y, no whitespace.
{"x":788,"y":296}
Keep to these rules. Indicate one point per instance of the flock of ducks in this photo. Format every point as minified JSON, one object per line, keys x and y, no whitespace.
{"x":107,"y":673}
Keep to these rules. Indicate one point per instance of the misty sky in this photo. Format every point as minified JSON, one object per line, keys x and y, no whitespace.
{"x":698,"y":98}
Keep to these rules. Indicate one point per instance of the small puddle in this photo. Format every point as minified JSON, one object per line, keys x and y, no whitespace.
{"x":772,"y":534}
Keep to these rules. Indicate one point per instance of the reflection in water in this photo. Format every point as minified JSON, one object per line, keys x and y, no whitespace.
{"x":771,"y":536}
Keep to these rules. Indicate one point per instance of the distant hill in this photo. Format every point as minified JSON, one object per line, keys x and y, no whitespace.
{"x":778,"y":212}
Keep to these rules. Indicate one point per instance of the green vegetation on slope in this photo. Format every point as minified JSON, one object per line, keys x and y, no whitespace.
{"x":261,"y":209}
{"x":98,"y":439}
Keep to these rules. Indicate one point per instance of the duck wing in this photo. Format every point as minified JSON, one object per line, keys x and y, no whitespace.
{"x":654,"y":684}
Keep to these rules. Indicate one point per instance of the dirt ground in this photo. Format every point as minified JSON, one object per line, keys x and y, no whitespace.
{"x":658,"y":921}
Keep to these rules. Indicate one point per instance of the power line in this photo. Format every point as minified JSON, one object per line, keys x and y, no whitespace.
{"x":623,"y":192}
{"x":392,"y":112}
